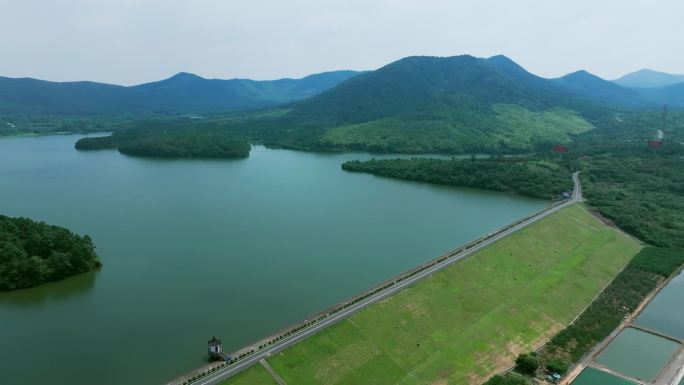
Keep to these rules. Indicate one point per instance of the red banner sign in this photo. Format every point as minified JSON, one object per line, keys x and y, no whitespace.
{"x":560,"y":149}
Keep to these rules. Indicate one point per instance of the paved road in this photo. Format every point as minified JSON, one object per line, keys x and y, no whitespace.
{"x":231,"y":370}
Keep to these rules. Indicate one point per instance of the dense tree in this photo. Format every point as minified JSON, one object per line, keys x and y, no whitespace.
{"x":32,"y":253}
{"x":171,"y":143}
{"x":527,"y":363}
{"x":508,"y":379}
{"x":536,"y":178}
{"x":557,"y":366}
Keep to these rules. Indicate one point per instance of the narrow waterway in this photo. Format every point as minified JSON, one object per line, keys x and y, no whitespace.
{"x":195,"y":248}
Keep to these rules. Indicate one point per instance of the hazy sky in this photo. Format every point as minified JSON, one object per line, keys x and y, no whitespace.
{"x":134,"y":41}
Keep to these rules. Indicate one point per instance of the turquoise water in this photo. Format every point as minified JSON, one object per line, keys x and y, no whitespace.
{"x":591,"y":376}
{"x":666,"y":312}
{"x":195,"y":248}
{"x":638,"y":354}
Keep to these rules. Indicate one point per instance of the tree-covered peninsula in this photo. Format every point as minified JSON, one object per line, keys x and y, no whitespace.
{"x":33,"y":253}
{"x":174,"y":144}
{"x":534,"y":178}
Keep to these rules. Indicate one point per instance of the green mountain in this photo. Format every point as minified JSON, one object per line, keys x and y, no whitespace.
{"x":433,"y":104}
{"x":647,"y":78}
{"x":584,"y":85}
{"x":672,"y":94}
{"x":182,"y":93}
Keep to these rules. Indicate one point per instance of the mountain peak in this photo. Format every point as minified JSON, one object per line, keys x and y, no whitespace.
{"x":510,"y":68}
{"x":648,"y":78}
{"x":185,"y":76}
{"x":581,"y":74}
{"x":501,"y":59}
{"x":584,"y":77}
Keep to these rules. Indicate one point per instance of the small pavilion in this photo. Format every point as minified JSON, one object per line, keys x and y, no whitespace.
{"x":214,"y":348}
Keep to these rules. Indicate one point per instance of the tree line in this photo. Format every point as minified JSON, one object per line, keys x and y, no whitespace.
{"x":171,"y":143}
{"x":536,"y":178}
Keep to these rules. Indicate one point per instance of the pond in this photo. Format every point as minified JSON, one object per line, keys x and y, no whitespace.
{"x":591,"y":376}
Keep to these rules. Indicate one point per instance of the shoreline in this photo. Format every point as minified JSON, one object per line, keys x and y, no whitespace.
{"x":34,"y":134}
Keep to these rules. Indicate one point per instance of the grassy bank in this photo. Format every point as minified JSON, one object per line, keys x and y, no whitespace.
{"x":472,"y":319}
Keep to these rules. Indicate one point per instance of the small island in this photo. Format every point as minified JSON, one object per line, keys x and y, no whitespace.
{"x":33,"y":253}
{"x":171,"y":145}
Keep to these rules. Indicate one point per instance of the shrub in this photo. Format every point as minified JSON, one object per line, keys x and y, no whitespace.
{"x":557,"y":366}
{"x":508,"y":379}
{"x":527,"y":363}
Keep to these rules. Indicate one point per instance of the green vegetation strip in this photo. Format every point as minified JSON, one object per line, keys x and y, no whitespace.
{"x":472,"y":319}
{"x":535,"y":178}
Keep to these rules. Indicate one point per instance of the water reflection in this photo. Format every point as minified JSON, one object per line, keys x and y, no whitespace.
{"x":69,"y":288}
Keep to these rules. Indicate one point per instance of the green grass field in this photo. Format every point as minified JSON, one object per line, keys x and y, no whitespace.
{"x":256,"y":375}
{"x":472,"y":319}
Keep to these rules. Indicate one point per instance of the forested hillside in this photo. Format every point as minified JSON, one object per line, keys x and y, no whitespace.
{"x":456,"y":104}
{"x":426,"y":105}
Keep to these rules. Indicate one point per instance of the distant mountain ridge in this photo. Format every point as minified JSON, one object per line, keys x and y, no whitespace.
{"x":427,"y":78}
{"x":425,"y":104}
{"x":647,"y":78}
{"x":181,"y":93}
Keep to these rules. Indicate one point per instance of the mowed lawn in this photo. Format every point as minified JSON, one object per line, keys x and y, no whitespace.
{"x":472,"y":319}
{"x":255,"y":375}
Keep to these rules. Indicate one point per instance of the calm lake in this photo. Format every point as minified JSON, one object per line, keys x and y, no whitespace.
{"x":195,"y":248}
